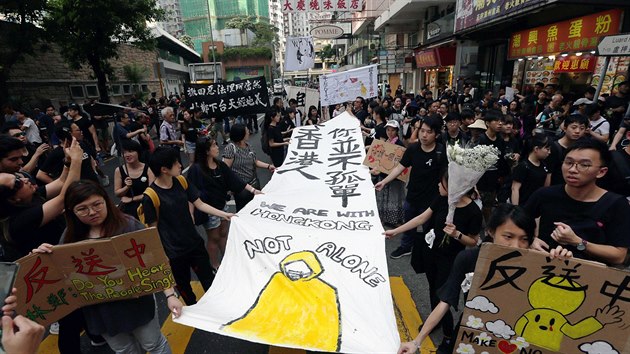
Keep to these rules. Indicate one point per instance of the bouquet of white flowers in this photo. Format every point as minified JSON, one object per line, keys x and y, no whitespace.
{"x":465,"y":168}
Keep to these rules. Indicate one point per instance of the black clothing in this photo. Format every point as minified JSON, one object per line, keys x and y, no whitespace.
{"x":467,"y":219}
{"x":190,"y":130}
{"x":465,"y":263}
{"x":425,"y":172}
{"x":490,"y":180}
{"x":138,"y":185}
{"x":554,"y":162}
{"x":531,"y":177}
{"x":277,"y":153}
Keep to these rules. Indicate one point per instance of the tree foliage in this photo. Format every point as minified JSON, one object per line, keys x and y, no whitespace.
{"x":265,"y":33}
{"x":187,"y":40}
{"x":326,"y":52}
{"x":89,"y":32}
{"x":18,"y":35}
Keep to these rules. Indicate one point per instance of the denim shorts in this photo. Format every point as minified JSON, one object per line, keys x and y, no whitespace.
{"x":190,"y":147}
{"x":214,"y":221}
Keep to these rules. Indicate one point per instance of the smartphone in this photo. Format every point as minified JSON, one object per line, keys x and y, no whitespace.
{"x":8,"y":271}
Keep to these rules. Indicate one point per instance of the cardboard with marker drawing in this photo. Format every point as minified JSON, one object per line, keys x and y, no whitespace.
{"x":521,"y":301}
{"x":383,"y":156}
{"x":131,"y":265}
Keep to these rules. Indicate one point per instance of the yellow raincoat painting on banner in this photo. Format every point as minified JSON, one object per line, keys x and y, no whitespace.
{"x":295,"y":308}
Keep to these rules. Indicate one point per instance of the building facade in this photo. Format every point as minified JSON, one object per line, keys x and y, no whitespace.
{"x":172,"y":23}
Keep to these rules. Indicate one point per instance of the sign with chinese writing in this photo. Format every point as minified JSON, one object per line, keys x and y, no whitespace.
{"x":383,"y":156}
{"x":231,"y":98}
{"x":310,"y":6}
{"x":300,"y":53}
{"x":426,"y":58}
{"x":347,"y":85}
{"x":614,"y":45}
{"x":305,"y":263}
{"x":86,"y":273}
{"x":471,"y":13}
{"x":304,"y":96}
{"x":579,"y":34}
{"x":573,"y":63}
{"x":523,"y":302}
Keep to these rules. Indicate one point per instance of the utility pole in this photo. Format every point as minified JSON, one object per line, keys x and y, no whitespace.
{"x":214,"y":59}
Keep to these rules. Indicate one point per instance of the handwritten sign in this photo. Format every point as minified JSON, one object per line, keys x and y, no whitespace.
{"x":384,"y":156}
{"x":230,"y":98}
{"x":85,"y":273}
{"x":523,"y":302}
{"x":304,"y":96}
{"x":312,"y":252}
{"x":347,"y":85}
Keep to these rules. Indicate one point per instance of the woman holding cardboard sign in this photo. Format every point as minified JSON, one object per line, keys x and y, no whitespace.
{"x":91,"y":214}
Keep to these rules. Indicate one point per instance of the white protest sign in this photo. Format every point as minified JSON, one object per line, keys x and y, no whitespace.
{"x":299,"y":54}
{"x":509,"y":94}
{"x":305,"y":97}
{"x":347,"y":85}
{"x":305,"y":264}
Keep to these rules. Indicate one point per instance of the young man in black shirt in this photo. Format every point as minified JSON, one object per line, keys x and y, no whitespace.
{"x":588,"y":220}
{"x":427,"y":159}
{"x":490,"y":182}
{"x":181,"y":241}
{"x":574,"y":127}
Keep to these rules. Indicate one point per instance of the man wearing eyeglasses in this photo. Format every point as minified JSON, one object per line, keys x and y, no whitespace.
{"x":574,"y":127}
{"x":21,"y":156}
{"x":586,"y":219}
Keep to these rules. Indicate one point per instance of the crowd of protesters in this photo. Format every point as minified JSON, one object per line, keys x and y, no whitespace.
{"x":564,"y":160}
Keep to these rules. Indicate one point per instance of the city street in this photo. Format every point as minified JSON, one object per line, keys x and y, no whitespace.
{"x":409,"y":308}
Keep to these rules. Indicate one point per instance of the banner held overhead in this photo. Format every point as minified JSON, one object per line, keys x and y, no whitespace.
{"x":347,"y":85}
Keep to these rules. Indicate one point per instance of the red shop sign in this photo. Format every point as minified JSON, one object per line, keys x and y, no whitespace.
{"x":426,"y":58}
{"x":573,"y":64}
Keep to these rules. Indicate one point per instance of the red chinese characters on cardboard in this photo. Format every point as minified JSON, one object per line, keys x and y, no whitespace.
{"x":521,"y":301}
{"x":383,"y":157}
{"x":131,"y":265}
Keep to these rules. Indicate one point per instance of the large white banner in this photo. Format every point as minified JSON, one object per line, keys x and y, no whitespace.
{"x":310,"y":6}
{"x":299,"y":54}
{"x":347,"y":85}
{"x":305,"y":264}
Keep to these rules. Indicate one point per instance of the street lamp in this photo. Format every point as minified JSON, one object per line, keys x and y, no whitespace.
{"x":214,"y":59}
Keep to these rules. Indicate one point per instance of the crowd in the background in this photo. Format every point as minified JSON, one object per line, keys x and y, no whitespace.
{"x":559,"y":157}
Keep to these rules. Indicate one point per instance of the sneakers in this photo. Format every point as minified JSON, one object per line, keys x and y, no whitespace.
{"x":97,"y":344}
{"x":54,"y":328}
{"x":400,"y":252}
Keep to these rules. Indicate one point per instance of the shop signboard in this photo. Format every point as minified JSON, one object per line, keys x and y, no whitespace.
{"x":471,"y":13}
{"x":575,"y":35}
{"x":614,"y":45}
{"x":574,"y":64}
{"x":426,"y":58}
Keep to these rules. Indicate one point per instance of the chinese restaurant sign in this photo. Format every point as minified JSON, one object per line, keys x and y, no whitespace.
{"x":383,"y":157}
{"x":473,"y":12}
{"x":308,"y":6}
{"x":230,"y":98}
{"x":426,"y":58}
{"x":305,"y":263}
{"x":85,"y":273}
{"x":521,"y":301}
{"x":578,"y":34}
{"x":574,"y":63}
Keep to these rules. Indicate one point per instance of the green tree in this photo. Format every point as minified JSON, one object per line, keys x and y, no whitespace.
{"x":89,"y":32}
{"x":18,"y":35}
{"x":187,"y":40}
{"x":326,"y":52}
{"x":265,"y":33}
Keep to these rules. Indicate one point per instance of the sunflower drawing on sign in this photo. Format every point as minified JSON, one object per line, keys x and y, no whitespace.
{"x":295,"y":308}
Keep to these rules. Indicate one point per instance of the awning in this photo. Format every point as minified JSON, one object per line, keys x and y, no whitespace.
{"x":443,"y":56}
{"x":403,"y":13}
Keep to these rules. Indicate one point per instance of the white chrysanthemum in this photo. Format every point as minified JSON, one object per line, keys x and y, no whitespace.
{"x":474,"y":322}
{"x":465,"y":349}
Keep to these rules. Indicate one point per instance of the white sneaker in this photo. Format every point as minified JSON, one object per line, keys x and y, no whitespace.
{"x":54,"y":328}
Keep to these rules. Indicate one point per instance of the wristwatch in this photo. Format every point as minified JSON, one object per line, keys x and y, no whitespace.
{"x":582,"y":245}
{"x":174,"y":294}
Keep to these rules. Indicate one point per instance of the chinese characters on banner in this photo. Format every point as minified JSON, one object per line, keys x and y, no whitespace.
{"x":578,"y":34}
{"x":573,"y":63}
{"x":312,"y":252}
{"x":426,"y":58}
{"x":232,"y":98}
{"x":85,"y":273}
{"x":347,"y":85}
{"x":383,"y":156}
{"x":304,"y":96}
{"x":473,"y":12}
{"x":523,"y":302}
{"x":309,"y":6}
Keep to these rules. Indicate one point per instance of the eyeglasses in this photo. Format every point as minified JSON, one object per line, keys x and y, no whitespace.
{"x":85,"y":210}
{"x":580,"y":166}
{"x":18,"y":184}
{"x":17,"y":135}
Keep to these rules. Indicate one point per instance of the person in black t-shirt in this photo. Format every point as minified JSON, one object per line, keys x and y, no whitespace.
{"x":489,"y":183}
{"x":191,"y":131}
{"x":450,"y":239}
{"x":427,"y":159}
{"x":508,"y":226}
{"x":588,"y":220}
{"x":182,"y":244}
{"x":574,"y":127}
{"x":358,"y":109}
{"x":276,"y":140}
{"x":465,"y":100}
{"x":617,"y":104}
{"x":531,"y":173}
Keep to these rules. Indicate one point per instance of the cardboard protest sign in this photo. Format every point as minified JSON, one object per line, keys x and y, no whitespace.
{"x":305,"y":263}
{"x":304,"y":96}
{"x":523,"y":302}
{"x":90,"y":272}
{"x":347,"y":85}
{"x":248,"y":96}
{"x":383,"y":156}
